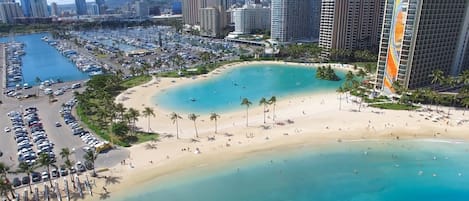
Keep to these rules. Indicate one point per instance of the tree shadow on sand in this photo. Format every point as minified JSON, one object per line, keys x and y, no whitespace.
{"x":105,"y":195}
{"x":112,"y":180}
{"x":150,"y":146}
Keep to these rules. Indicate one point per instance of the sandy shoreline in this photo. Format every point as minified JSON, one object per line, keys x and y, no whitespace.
{"x":315,"y":119}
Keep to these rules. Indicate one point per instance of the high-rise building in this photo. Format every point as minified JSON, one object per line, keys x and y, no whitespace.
{"x":9,"y":11}
{"x":251,"y":17}
{"x":93,"y":9}
{"x":291,"y":21}
{"x":101,"y":6}
{"x":190,"y":11}
{"x":419,"y":37}
{"x":26,"y":7}
{"x":39,"y":8}
{"x":54,"y":10}
{"x":209,"y":22}
{"x":350,"y":25}
{"x":141,"y":9}
{"x":81,"y":7}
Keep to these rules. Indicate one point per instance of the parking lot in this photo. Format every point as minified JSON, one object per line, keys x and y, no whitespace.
{"x":42,"y":129}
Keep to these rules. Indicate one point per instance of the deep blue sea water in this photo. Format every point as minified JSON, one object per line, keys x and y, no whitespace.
{"x":44,"y":61}
{"x":225,"y":92}
{"x":348,"y":171}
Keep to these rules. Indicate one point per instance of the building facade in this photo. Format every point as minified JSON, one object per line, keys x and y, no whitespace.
{"x":81,"y":7}
{"x":209,"y":22}
{"x":9,"y":11}
{"x":141,"y":9}
{"x":39,"y":8}
{"x":350,"y":25}
{"x":190,"y":11}
{"x":291,"y":21}
{"x":250,"y":18}
{"x":101,"y":6}
{"x":176,"y":8}
{"x":54,"y":9}
{"x":26,"y":7}
{"x":419,"y":37}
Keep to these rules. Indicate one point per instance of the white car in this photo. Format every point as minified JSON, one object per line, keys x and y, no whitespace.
{"x":7,"y":129}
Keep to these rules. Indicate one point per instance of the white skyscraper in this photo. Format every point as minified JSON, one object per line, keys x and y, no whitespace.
{"x":251,"y":17}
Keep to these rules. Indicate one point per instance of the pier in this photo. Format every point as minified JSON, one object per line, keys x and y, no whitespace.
{"x":3,"y":78}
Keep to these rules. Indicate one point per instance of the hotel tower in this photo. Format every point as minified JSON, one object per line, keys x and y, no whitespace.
{"x":420,"y":36}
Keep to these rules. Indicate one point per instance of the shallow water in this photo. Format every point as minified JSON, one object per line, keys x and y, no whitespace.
{"x":362,"y":171}
{"x":44,"y":61}
{"x":225,"y":92}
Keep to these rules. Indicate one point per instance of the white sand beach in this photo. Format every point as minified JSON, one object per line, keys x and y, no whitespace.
{"x":302,"y":120}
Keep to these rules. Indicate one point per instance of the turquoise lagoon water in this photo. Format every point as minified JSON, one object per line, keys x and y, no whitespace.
{"x":348,"y":171}
{"x":225,"y":92}
{"x":44,"y":61}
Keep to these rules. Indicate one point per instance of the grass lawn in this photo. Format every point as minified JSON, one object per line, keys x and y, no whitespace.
{"x":135,"y":81}
{"x":394,"y":106}
{"x":101,"y":56}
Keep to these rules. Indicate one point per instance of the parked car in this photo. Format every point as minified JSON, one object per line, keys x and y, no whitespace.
{"x":36,"y":177}
{"x":16,"y":182}
{"x":25,"y":180}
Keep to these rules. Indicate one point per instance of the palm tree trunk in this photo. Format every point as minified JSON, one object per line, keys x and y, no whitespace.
{"x":196,"y":133}
{"x":340,"y":101}
{"x":177,"y":129}
{"x":50,"y":180}
{"x":148,"y":124}
{"x":215,"y":125}
{"x":247,"y":116}
{"x":264,"y":113}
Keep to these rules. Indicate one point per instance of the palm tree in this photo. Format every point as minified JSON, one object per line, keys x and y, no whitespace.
{"x":148,"y":112}
{"x":361,"y":73}
{"x":437,"y":77}
{"x":349,"y":77}
{"x":273,"y":100}
{"x":174,"y":116}
{"x":214,"y":117}
{"x":340,"y":90}
{"x":263,"y":102}
{"x":193,"y":117}
{"x":133,"y":115}
{"x":120,"y":109}
{"x":464,"y":77}
{"x":45,"y":160}
{"x":465,"y":103}
{"x":91,"y":157}
{"x":28,"y":170}
{"x":247,"y":103}
{"x":6,"y":187}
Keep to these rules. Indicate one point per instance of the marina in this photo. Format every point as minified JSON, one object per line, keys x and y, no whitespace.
{"x":31,"y":61}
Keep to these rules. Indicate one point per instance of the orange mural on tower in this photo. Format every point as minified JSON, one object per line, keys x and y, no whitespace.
{"x":396,"y":37}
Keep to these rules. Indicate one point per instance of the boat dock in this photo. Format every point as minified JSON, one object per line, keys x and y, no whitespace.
{"x":3,"y":79}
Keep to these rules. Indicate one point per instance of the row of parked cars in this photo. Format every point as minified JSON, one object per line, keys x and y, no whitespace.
{"x":25,"y":142}
{"x":92,"y":142}
{"x":54,"y":173}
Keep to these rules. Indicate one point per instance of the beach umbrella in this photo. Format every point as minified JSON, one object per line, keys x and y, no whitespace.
{"x":67,"y":191}
{"x":57,"y":191}
{"x":36,"y":193}
{"x":25,"y":195}
{"x":80,"y":191}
